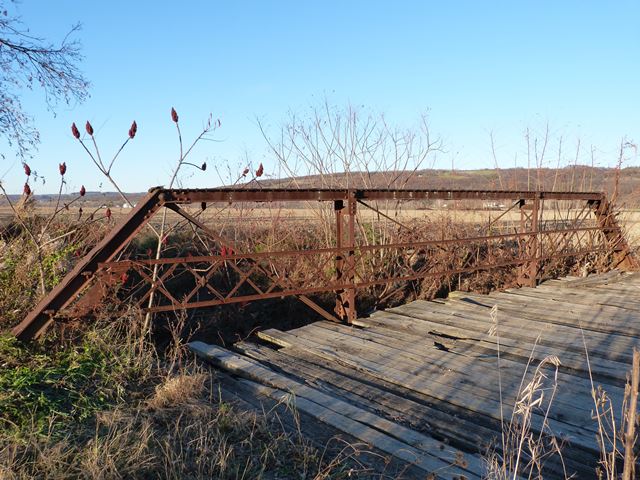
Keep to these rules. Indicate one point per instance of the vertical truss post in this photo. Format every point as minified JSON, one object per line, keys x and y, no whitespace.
{"x":351,"y":259}
{"x":338,"y":206}
{"x":345,"y":264}
{"x":608,"y":223}
{"x":522,"y":250}
{"x":534,"y":250}
{"x":529,"y":223}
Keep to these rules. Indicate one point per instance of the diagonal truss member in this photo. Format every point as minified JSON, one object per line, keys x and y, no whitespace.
{"x":534,"y":242}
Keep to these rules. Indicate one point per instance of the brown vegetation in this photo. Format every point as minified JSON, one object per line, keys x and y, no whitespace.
{"x":115,"y":396}
{"x":138,"y":418}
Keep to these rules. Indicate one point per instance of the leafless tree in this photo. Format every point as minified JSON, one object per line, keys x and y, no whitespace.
{"x":29,"y":62}
{"x":349,"y":147}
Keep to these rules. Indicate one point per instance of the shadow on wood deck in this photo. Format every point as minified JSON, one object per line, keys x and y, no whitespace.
{"x":421,"y":382}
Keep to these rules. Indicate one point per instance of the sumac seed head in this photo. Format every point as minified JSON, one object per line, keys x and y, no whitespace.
{"x":133,"y":130}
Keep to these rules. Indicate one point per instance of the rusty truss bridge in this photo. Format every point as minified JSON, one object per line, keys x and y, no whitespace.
{"x":529,"y":230}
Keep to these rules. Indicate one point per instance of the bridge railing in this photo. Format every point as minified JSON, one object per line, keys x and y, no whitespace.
{"x":528,"y":234}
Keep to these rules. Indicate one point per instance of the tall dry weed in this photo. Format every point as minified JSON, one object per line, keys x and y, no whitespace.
{"x":617,"y":437}
{"x":526,"y":447}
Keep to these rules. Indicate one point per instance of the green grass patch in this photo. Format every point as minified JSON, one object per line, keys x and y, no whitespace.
{"x":39,"y":388}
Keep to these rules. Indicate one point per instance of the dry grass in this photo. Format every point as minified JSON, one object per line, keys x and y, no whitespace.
{"x":172,"y":423}
{"x":197,"y":439}
{"x":178,"y":390}
{"x":617,"y":437}
{"x":523,"y":452}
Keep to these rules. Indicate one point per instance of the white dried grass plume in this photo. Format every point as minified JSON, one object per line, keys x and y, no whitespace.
{"x":493,"y":330}
{"x":532,"y":395}
{"x":523,"y":451}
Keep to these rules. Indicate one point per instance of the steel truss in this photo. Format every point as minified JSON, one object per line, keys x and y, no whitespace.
{"x":257,"y":276}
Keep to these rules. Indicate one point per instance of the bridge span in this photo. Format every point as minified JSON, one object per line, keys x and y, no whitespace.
{"x":439,"y":384}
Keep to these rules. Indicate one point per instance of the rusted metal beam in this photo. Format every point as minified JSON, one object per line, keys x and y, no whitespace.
{"x":315,"y":281}
{"x":187,"y":196}
{"x":343,"y":286}
{"x":345,"y":266}
{"x":531,"y":236}
{"x":125,"y":264}
{"x":529,"y":275}
{"x":36,"y":322}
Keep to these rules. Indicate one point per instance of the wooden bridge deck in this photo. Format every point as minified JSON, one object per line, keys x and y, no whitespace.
{"x":422,"y":381}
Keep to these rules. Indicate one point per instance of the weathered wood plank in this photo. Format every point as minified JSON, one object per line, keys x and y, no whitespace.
{"x":468,"y":320}
{"x":595,"y":294}
{"x":560,"y":299}
{"x":418,"y":416}
{"x":624,"y":291}
{"x":437,"y":388}
{"x":468,"y":433}
{"x":577,"y":282}
{"x":513,"y":359}
{"x":613,"y":276}
{"x":404,"y":443}
{"x":597,"y":306}
{"x":432,"y":366}
{"x":365,"y":456}
{"x":516,"y":322}
{"x":470,"y":375}
{"x":604,"y":319}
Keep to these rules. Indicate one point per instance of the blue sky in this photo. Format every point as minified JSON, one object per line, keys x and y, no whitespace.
{"x":477,"y":67}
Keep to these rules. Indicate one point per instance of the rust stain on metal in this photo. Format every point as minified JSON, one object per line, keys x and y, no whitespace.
{"x":535,"y":244}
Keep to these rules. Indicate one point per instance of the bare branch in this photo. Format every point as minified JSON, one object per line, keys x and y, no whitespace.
{"x":28,"y":62}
